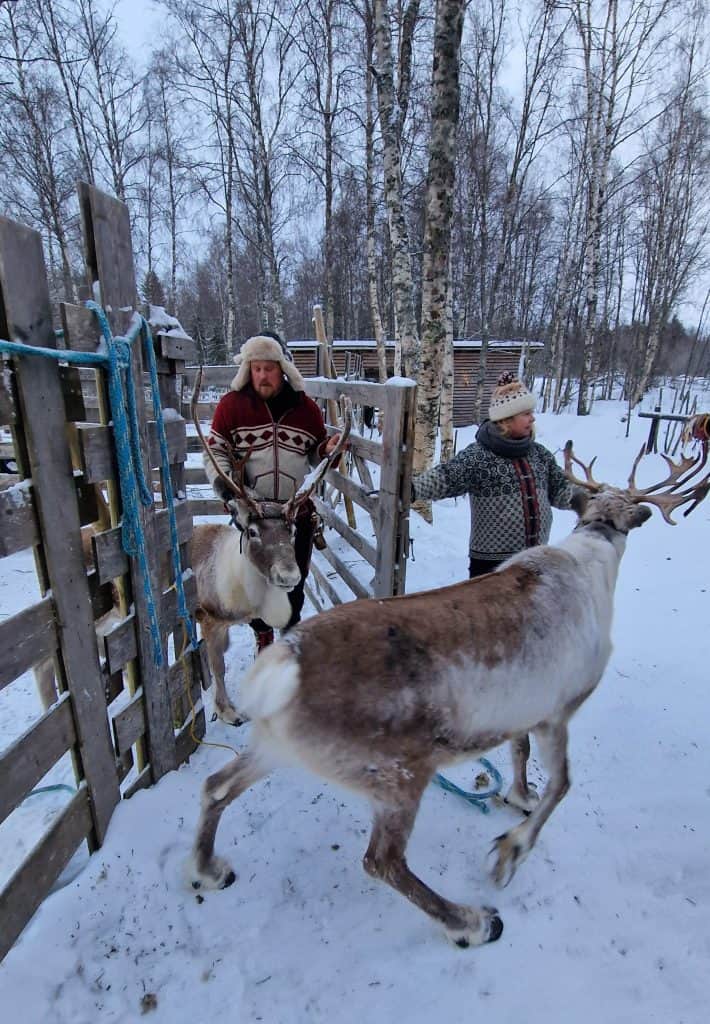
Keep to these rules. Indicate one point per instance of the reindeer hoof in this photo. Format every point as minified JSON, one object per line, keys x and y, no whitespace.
{"x":229,"y":715}
{"x":525,"y":802}
{"x":479,"y":927}
{"x":216,"y":873}
{"x":510,"y":854}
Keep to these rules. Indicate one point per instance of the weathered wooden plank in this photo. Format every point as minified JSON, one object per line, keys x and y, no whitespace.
{"x":7,"y":406}
{"x":185,"y":742}
{"x":129,"y":724}
{"x":73,"y":394}
{"x":325,"y":584}
{"x":207,"y":507}
{"x":98,"y":457}
{"x":358,"y":588}
{"x":331,"y":518}
{"x":175,"y":437}
{"x":359,"y":392}
{"x":31,"y":756}
{"x":143,"y":781}
{"x":81,"y":328}
{"x":120,"y":644}
{"x":363,"y":446}
{"x":109,"y":257}
{"x":26,"y":639}
{"x":195,"y":475}
{"x":25,"y":300}
{"x":395,"y":480}
{"x":171,"y":346}
{"x":37,"y":874}
{"x":212,"y":376}
{"x":18,"y":523}
{"x":352,"y":490}
{"x":310,"y":594}
{"x":112,"y":561}
{"x":177,"y":683}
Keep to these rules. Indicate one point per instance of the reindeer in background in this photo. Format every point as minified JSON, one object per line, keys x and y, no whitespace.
{"x":378,"y":695}
{"x":246,"y":573}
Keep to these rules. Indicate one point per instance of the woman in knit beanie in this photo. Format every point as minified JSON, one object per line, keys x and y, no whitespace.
{"x":511,"y":480}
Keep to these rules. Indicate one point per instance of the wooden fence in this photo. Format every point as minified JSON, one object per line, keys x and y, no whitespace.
{"x":366,"y":553}
{"x":124,"y":720}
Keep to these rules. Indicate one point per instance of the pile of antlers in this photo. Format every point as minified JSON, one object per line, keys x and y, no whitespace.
{"x":236,"y":484}
{"x":676,"y":490}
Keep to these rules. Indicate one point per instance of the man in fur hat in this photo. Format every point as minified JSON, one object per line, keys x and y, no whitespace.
{"x":267,"y":414}
{"x":511,"y":480}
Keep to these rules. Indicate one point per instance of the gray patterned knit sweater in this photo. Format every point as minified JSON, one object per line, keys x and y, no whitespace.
{"x":511,"y":498}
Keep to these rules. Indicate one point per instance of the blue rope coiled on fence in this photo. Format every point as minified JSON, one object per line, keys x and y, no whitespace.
{"x":133,"y":485}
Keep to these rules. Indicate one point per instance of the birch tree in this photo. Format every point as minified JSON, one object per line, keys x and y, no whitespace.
{"x":392,"y":105}
{"x":675,"y":218}
{"x":619,"y":45}
{"x":437,"y":232}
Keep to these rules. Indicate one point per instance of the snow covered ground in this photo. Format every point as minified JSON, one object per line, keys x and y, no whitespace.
{"x":608,"y":919}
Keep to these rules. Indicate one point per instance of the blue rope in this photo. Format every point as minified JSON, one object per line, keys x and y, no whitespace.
{"x":476,"y":799}
{"x":134,"y":488}
{"x":183,"y":611}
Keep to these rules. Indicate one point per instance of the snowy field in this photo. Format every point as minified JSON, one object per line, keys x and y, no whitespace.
{"x":607,"y":921}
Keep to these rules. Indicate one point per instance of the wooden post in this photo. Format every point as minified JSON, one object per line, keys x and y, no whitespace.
{"x":26,"y":310}
{"x":332,"y":405}
{"x":109,"y":260}
{"x":395,"y":489}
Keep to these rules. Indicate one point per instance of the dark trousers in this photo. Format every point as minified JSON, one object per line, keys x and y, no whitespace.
{"x":303,"y":546}
{"x":480,"y":566}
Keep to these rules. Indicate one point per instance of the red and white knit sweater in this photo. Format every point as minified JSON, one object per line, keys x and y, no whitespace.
{"x":285,"y":438}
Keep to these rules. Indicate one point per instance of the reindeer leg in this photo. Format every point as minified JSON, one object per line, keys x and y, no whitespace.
{"x":385,"y":860}
{"x":514,"y":846}
{"x":216,"y":634}
{"x":205,"y":869}
{"x":522,"y":794}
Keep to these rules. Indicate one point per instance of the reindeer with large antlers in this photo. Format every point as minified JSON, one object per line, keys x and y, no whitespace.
{"x":378,"y":695}
{"x":247,"y":573}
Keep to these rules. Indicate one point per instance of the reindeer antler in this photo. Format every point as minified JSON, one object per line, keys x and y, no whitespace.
{"x":679,"y":475}
{"x":236,"y":485}
{"x":313,"y":479}
{"x":590,"y":483}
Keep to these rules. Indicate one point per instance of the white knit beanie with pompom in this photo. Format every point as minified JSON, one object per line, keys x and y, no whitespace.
{"x":509,"y":398}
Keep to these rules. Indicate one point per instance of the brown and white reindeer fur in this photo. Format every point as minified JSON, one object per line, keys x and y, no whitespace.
{"x":241,"y":576}
{"x":378,"y":695}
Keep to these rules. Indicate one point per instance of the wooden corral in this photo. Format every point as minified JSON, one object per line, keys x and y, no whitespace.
{"x":372,"y":530}
{"x":502,"y":356}
{"x":124,"y":720}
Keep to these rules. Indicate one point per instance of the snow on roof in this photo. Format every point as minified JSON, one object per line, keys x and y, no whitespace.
{"x":343,"y":343}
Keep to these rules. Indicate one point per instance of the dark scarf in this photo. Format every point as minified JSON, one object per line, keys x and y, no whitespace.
{"x":490,"y":437}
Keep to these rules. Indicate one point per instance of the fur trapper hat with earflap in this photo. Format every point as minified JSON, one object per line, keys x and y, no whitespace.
{"x":509,"y":397}
{"x":266,"y":348}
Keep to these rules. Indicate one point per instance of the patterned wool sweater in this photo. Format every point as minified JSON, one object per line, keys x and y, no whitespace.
{"x":510,"y":498}
{"x":285,"y":438}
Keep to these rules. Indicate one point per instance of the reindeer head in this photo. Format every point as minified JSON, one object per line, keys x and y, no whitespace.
{"x":267,"y":541}
{"x":625,"y":508}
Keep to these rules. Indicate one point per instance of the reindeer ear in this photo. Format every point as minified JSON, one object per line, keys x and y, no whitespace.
{"x":579,"y":501}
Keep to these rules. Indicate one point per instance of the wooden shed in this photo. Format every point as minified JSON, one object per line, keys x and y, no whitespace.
{"x":502,"y":356}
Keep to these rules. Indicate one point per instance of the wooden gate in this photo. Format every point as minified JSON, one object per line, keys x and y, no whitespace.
{"x":125,"y":720}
